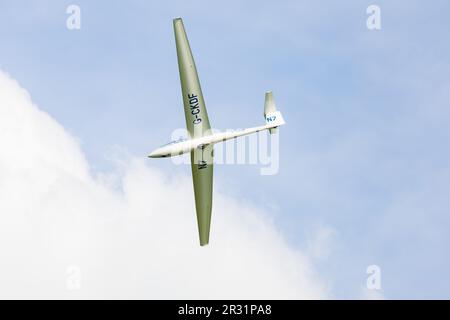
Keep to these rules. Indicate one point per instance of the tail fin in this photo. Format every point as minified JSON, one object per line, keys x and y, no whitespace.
{"x":272,"y":116}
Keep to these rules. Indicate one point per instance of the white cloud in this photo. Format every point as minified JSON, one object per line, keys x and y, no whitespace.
{"x":321,"y":241}
{"x":135,"y":238}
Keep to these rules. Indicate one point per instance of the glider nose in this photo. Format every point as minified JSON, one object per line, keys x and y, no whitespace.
{"x":155,"y":154}
{"x":159,"y":153}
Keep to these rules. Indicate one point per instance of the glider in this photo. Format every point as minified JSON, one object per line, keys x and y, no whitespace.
{"x":201,"y":140}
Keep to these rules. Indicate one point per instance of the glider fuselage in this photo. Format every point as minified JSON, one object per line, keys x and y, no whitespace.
{"x":176,"y":148}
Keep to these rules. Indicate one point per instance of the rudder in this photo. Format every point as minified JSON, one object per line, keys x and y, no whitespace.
{"x":270,"y":108}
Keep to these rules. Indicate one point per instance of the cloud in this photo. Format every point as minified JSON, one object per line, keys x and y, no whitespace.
{"x":320,"y":242}
{"x":130,"y":233}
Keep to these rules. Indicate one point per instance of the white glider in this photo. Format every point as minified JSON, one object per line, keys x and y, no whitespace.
{"x":201,"y":140}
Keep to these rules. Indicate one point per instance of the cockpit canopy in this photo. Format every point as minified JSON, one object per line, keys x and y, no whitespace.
{"x":175,"y":141}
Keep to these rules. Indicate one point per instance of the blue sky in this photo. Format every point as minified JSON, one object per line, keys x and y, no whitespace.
{"x":365,"y":149}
